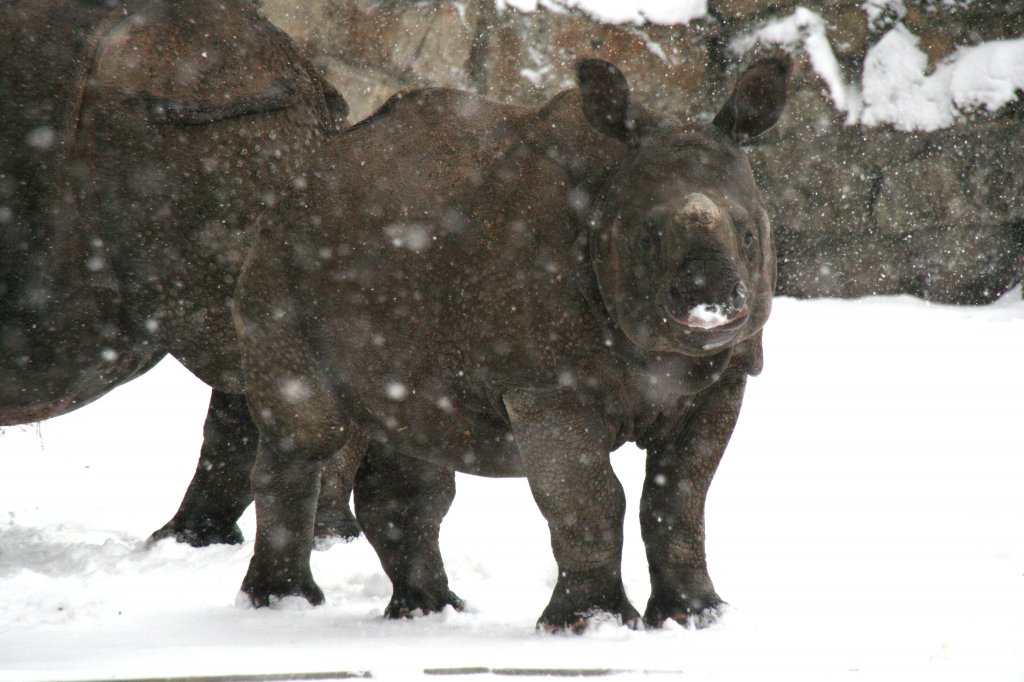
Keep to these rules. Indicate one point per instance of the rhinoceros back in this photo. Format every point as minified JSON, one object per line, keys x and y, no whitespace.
{"x":153,"y":68}
{"x":46,"y":48}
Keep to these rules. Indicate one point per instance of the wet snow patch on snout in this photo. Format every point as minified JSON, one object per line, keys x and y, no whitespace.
{"x":706,"y":316}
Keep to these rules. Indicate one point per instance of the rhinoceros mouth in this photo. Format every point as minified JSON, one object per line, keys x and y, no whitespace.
{"x":711,"y":318}
{"x":709,"y":328}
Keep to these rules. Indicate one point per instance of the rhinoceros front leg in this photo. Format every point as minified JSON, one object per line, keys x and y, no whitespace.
{"x":220,"y":489}
{"x":564,"y":448}
{"x":400,"y":503}
{"x":679,"y":473}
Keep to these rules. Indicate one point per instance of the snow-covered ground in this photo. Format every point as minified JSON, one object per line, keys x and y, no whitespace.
{"x":867,"y":524}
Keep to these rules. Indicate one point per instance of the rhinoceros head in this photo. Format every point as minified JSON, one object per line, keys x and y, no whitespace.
{"x":681,"y":241}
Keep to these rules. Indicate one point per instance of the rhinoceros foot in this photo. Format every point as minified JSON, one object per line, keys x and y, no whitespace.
{"x":583,"y":622}
{"x":695,"y":611}
{"x":199,"y":535}
{"x":565,"y":614}
{"x":411,"y":602}
{"x":264,"y":587}
{"x":334,"y":527}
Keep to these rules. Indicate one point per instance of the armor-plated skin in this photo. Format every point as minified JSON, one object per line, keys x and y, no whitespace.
{"x":510,"y":291}
{"x":137,"y":140}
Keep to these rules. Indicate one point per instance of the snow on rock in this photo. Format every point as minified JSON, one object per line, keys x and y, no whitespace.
{"x":880,"y":11}
{"x":990,"y":75}
{"x":807,"y":29}
{"x":618,"y":12}
{"x":895,"y":87}
{"x":898,"y":89}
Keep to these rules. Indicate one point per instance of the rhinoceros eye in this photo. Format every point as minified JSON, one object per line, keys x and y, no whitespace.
{"x":647,"y":240}
{"x":748,"y":238}
{"x":645,"y":244}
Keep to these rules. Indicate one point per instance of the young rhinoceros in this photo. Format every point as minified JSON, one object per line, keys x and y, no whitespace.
{"x":512,"y":291}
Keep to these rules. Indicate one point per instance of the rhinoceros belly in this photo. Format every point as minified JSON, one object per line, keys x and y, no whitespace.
{"x":439,"y":428}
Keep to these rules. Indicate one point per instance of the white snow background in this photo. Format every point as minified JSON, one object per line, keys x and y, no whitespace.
{"x":867,"y":523}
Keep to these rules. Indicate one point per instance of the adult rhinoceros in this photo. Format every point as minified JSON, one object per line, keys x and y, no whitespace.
{"x":136,"y":140}
{"x":512,"y":291}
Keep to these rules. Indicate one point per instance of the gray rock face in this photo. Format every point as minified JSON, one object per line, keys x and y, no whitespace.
{"x":857,"y":210}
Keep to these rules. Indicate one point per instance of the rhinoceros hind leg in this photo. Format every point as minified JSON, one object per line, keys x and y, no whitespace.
{"x":333,"y":527}
{"x":199,"y":535}
{"x":334,"y":518}
{"x":286,"y":492}
{"x":220,"y":489}
{"x":400,"y":503}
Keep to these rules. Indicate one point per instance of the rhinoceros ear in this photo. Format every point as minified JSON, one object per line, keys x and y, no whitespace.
{"x":605,"y":95}
{"x":757,"y":102}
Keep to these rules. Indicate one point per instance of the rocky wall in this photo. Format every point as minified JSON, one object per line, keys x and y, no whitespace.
{"x":857,"y":209}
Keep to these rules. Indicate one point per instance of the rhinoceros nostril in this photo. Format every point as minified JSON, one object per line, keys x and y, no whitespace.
{"x":739,"y":297}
